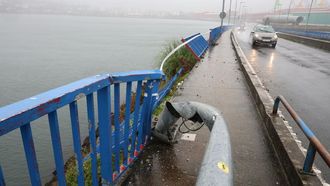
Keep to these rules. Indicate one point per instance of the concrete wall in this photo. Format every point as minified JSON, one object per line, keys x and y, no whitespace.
{"x":322,"y":44}
{"x":302,"y":27}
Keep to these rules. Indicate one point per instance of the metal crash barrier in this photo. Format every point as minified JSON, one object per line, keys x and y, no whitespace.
{"x":216,"y":168}
{"x":314,"y":144}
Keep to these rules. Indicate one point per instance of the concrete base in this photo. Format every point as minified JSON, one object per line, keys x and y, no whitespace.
{"x":317,"y":43}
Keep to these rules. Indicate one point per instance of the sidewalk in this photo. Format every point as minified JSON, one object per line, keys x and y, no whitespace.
{"x":216,"y":81}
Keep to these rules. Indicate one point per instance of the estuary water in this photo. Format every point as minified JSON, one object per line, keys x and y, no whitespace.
{"x":41,"y":52}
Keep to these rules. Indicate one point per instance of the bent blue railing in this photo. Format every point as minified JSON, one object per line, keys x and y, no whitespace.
{"x":314,"y":144}
{"x":166,"y":89}
{"x":114,"y":138}
{"x":124,"y":140}
{"x":197,"y":46}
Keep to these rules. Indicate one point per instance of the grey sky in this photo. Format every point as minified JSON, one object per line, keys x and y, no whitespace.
{"x":252,"y":6}
{"x":177,"y":5}
{"x":186,"y":5}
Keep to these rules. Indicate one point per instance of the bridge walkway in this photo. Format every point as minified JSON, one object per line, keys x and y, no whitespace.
{"x":217,"y":81}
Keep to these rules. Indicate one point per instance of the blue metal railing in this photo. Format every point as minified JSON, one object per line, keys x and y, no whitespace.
{"x":312,"y":34}
{"x":165,"y":90}
{"x":197,"y":46}
{"x":314,"y":144}
{"x":216,"y":32}
{"x":124,"y":140}
{"x":113,"y":137}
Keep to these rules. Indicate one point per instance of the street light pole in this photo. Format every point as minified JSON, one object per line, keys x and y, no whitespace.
{"x":239,"y":12}
{"x":229,"y":12}
{"x":287,"y":18}
{"x":245,"y":12}
{"x":223,"y":10}
{"x":309,"y":13}
{"x":235,"y":12}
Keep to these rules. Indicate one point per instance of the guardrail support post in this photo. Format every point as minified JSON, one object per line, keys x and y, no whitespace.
{"x":309,"y":160}
{"x":276,"y":105}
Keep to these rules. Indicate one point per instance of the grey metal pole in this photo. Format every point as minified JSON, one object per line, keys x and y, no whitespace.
{"x":229,"y":12}
{"x":235,"y":12}
{"x":223,"y":10}
{"x":309,"y":13}
{"x":275,"y":7}
{"x":245,"y":12}
{"x":287,"y":18}
{"x":239,"y":12}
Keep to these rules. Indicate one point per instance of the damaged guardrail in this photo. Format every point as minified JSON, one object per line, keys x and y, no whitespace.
{"x":216,"y":168}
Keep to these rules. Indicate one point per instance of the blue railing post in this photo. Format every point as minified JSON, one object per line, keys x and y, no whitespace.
{"x":149,"y":101}
{"x":57,"y":147}
{"x":92,"y":137}
{"x":154,"y":99}
{"x":127,"y":121}
{"x":309,"y":160}
{"x":77,"y":142}
{"x":146,"y":109}
{"x":117,"y":126}
{"x":30,"y":154}
{"x":144,"y":113}
{"x":2,"y":179}
{"x":103,"y":101}
{"x":133,"y":152}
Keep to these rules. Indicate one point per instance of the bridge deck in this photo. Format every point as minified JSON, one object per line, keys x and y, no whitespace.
{"x":219,"y":82}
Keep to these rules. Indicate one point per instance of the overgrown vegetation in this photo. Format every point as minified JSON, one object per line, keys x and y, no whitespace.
{"x":181,"y":58}
{"x":71,"y":172}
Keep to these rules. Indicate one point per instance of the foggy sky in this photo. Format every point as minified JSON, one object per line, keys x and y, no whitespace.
{"x":179,"y":5}
{"x":251,"y":6}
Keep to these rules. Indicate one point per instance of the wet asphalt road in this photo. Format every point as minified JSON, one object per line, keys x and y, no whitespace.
{"x":302,"y":75}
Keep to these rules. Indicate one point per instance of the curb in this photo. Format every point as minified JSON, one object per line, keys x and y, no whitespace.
{"x":288,"y":152}
{"x":317,"y":43}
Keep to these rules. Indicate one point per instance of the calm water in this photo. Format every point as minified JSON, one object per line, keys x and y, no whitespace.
{"x":41,"y":52}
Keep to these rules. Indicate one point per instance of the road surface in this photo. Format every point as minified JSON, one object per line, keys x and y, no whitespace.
{"x":302,"y":75}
